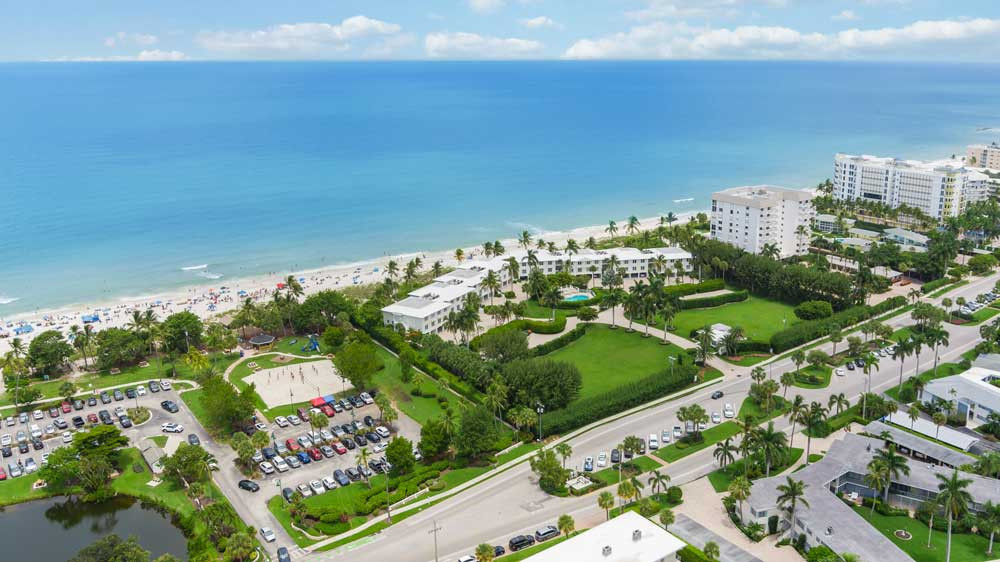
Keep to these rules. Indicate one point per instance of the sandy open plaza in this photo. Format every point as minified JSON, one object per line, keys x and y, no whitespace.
{"x":305,"y":381}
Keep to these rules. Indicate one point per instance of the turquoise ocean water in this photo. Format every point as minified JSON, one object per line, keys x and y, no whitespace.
{"x":115,"y":177}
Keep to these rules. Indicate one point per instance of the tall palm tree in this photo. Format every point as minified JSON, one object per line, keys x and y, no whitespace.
{"x":773,"y":446}
{"x":739,"y":489}
{"x":770,"y":251}
{"x":513,"y":268}
{"x":954,"y":499}
{"x":795,"y":413}
{"x":626,"y":491}
{"x":895,"y":464}
{"x":748,"y":434}
{"x":877,"y":478}
{"x":903,"y":350}
{"x":572,"y":247}
{"x":812,"y":419}
{"x":612,"y":229}
{"x":491,"y":283}
{"x":485,"y":553}
{"x":565,"y":451}
{"x":524,"y":239}
{"x":989,"y":520}
{"x":392,"y":269}
{"x":658,"y":480}
{"x":633,"y":225}
{"x":838,"y":401}
{"x":459,"y":255}
{"x":363,"y":457}
{"x":791,"y":494}
{"x":725,"y":452}
{"x":79,"y":343}
{"x":605,"y":501}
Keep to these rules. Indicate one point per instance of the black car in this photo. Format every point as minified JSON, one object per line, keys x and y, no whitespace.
{"x":369,"y":421}
{"x":360,"y":440}
{"x":283,"y":555}
{"x":268,"y":453}
{"x":118,"y":395}
{"x":193,"y":439}
{"x":850,"y":366}
{"x":78,"y":405}
{"x":92,"y":401}
{"x":125,"y":421}
{"x":498,"y":551}
{"x":249,"y":485}
{"x":346,"y":428}
{"x":105,"y":398}
{"x":717,"y":394}
{"x":350,"y":444}
{"x":170,"y":406}
{"x":130,"y":393}
{"x":341,"y":478}
{"x":105,"y":417}
{"x":22,"y":447}
{"x":37,"y":444}
{"x":5,"y":451}
{"x":520,"y":541}
{"x":78,"y":422}
{"x":287,"y":493}
{"x":642,"y":446}
{"x":859,"y":363}
{"x":545,"y":533}
{"x":373,"y":437}
{"x":616,"y":456}
{"x":154,"y":386}
{"x":353,"y":474}
{"x":376,"y":466}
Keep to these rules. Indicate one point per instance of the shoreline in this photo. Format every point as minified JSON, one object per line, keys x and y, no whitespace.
{"x":208,"y":299}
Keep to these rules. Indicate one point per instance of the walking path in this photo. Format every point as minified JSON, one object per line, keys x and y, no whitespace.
{"x":698,"y":535}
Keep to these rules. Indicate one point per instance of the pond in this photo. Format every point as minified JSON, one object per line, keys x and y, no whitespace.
{"x":57,"y":528}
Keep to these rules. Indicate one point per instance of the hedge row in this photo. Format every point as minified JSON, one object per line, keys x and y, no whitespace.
{"x":717,"y":300}
{"x":562,"y":341}
{"x":685,"y":289}
{"x":691,"y":554}
{"x":931,"y":286}
{"x":804,"y":332}
{"x":524,"y":325}
{"x":750,"y":346}
{"x":620,"y":399}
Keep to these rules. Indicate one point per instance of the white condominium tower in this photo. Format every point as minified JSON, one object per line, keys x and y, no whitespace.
{"x":940,"y":189}
{"x":752,"y":217}
{"x":983,"y":155}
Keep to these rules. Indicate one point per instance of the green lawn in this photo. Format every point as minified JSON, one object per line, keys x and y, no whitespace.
{"x":982,"y":315}
{"x":948,"y":288}
{"x":964,"y":547}
{"x":901,"y":334}
{"x":285,"y":345}
{"x":609,"y":475}
{"x":194,"y":402}
{"x":534,"y":310}
{"x":17,"y":490}
{"x":419,"y":408}
{"x":711,"y":436}
{"x":520,"y":450}
{"x":822,"y":371}
{"x":609,"y":358}
{"x":159,"y":440}
{"x":276,"y":506}
{"x":760,"y":318}
{"x":751,"y":408}
{"x":721,"y":478}
{"x":943,"y":370}
{"x":747,"y":360}
{"x":528,"y":552}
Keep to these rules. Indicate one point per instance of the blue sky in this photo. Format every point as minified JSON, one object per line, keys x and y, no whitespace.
{"x":963,"y":30}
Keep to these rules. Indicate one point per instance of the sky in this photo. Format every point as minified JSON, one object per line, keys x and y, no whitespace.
{"x":196,"y":30}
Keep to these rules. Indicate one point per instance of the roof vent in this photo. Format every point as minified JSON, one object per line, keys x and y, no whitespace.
{"x":606,"y":551}
{"x":636,"y":535}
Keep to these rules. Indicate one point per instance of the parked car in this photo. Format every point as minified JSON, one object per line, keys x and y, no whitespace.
{"x":383,"y":432}
{"x":341,"y":477}
{"x":78,"y":404}
{"x":14,"y":470}
{"x":154,"y":386}
{"x":327,"y":451}
{"x":520,"y":542}
{"x":282,"y":421}
{"x":279,"y":464}
{"x":717,"y":394}
{"x":339,"y":448}
{"x":78,"y":422}
{"x":269,"y":453}
{"x":588,"y":464}
{"x":283,"y":555}
{"x":294,"y":420}
{"x":677,"y":432}
{"x":130,"y":393}
{"x":654,"y":443}
{"x":545,"y":533}
{"x":716,"y":418}
{"x":118,"y":395}
{"x":171,"y":427}
{"x":170,"y":406}
{"x":317,"y":487}
{"x":92,"y":401}
{"x":193,"y":439}
{"x":293,"y":461}
{"x":66,"y":407}
{"x":314,"y":454}
{"x":267,"y":534}
{"x":249,"y":485}
{"x":266,"y":467}
{"x":350,"y":444}
{"x":92,"y":418}
{"x":353,"y":474}
{"x":292,"y":445}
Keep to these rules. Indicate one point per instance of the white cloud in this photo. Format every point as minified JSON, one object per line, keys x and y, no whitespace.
{"x":463,"y":45}
{"x":486,"y":6}
{"x":846,"y":15}
{"x":122,"y":39}
{"x":151,"y":55}
{"x":297,"y":39}
{"x":390,"y":47}
{"x":679,"y":9}
{"x":540,"y":22}
{"x":661,"y":39}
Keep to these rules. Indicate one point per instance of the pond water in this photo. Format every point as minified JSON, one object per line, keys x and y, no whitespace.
{"x":57,"y":528}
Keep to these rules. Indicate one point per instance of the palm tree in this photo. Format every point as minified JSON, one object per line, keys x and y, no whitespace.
{"x":551,"y":298}
{"x":565,"y":451}
{"x":605,"y":501}
{"x":566,"y":524}
{"x":437,"y":268}
{"x":813,"y":418}
{"x":725,"y":452}
{"x":711,"y":550}
{"x":637,"y":486}
{"x":787,"y":380}
{"x":954,"y":499}
{"x":795,"y":413}
{"x":877,"y":478}
{"x":633,"y":225}
{"x":79,"y":342}
{"x":513,"y":269}
{"x":791,"y":494}
{"x":871,"y":363}
{"x":658,"y":480}
{"x":770,"y":251}
{"x":894,"y":463}
{"x":611,"y":300}
{"x":572,"y":247}
{"x":459,"y":255}
{"x":363,"y":457}
{"x":903,"y":350}
{"x":491,"y":283}
{"x":838,"y":401}
{"x":392,"y":269}
{"x":485,"y":553}
{"x":612,"y":229}
{"x":914,"y":414}
{"x":739,"y":489}
{"x":524,"y":239}
{"x":626,"y":491}
{"x":666,"y":517}
{"x":772,"y":445}
{"x":989,"y":520}
{"x":939,"y":419}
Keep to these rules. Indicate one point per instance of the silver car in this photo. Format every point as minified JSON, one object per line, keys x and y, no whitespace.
{"x":317,"y":487}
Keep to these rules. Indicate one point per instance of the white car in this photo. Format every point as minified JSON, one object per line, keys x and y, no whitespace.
{"x":35,"y":431}
{"x":467,"y":558}
{"x":839,"y":372}
{"x":171,"y":427}
{"x":67,"y":437}
{"x":267,"y":468}
{"x":716,"y":418}
{"x":602,"y":459}
{"x":379,"y":447}
{"x":268,"y":534}
{"x":282,"y":421}
{"x":329,"y":482}
{"x":304,"y":490}
{"x":317,"y":487}
{"x":366,"y":398}
{"x":260,"y":426}
{"x":294,"y":420}
{"x":653,"y":442}
{"x":5,"y":440}
{"x":677,"y":432}
{"x":280,"y":465}
{"x":325,"y":435}
{"x":382,"y":432}
{"x":165,"y":385}
{"x":37,"y":414}
{"x":728,"y":411}
{"x":140,"y":390}
{"x":702,"y":426}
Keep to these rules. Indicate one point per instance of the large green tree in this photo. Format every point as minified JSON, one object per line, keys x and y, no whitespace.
{"x":476,"y":432}
{"x":48,"y":352}
{"x":358,"y":363}
{"x":182,"y":330}
{"x":399,"y":453}
{"x":112,"y":548}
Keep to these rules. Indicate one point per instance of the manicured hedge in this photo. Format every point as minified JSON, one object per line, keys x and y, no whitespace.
{"x":931,"y":286}
{"x":562,"y":341}
{"x":685,"y":289}
{"x":524,"y":325}
{"x":804,"y":332}
{"x":749,"y":346}
{"x":717,"y":300}
{"x":627,"y":396}
{"x":691,"y":554}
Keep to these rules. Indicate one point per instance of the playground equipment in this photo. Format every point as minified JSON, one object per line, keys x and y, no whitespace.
{"x":313,"y":344}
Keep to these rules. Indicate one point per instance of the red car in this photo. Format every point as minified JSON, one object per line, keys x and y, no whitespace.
{"x":340,"y":448}
{"x":92,"y":418}
{"x":3,"y":475}
{"x":53,"y":412}
{"x":292,"y":444}
{"x":67,"y":407}
{"x":315,"y":454}
{"x":326,"y":409}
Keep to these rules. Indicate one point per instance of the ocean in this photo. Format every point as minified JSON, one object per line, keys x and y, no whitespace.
{"x":125,"y":179}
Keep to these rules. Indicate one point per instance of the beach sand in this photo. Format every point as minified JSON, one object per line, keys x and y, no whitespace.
{"x":210,"y":300}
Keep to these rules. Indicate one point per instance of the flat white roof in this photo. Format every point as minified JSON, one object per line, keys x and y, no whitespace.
{"x":947,"y":166}
{"x":973,"y":384}
{"x":652,"y":544}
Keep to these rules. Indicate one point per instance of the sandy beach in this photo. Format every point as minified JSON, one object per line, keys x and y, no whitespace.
{"x":213,"y":299}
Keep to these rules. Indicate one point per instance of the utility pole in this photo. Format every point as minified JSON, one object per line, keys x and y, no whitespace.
{"x":434,"y":531}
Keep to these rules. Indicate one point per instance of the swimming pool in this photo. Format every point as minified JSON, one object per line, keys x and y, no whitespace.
{"x":577,"y":297}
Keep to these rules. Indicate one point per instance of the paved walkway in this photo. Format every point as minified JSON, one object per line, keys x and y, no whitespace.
{"x":698,"y":535}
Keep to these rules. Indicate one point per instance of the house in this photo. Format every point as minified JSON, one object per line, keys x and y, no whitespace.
{"x":825,"y":222}
{"x":909,"y":240}
{"x":864,"y":234}
{"x":630,"y":537}
{"x":972,"y":392}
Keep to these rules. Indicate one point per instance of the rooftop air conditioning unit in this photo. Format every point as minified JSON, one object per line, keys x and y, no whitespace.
{"x":606,"y":551}
{"x":636,"y":535}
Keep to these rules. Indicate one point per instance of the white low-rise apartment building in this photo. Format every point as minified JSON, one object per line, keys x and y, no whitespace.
{"x":940,"y":189}
{"x":752,"y":217}
{"x":831,"y":223}
{"x":427,"y":308}
{"x":630,"y":537}
{"x":983,"y":155}
{"x":972,"y":392}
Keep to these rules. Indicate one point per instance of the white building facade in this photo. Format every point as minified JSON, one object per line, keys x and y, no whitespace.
{"x":940,"y":189}
{"x":752,"y":217}
{"x":426,"y":309}
{"x":983,"y":155}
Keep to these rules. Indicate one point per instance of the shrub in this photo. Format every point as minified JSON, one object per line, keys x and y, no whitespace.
{"x":772,"y":524}
{"x":685,"y":289}
{"x":509,"y":295}
{"x":562,"y":341}
{"x":931,"y":286}
{"x":526,"y":325}
{"x":806,"y":331}
{"x":814,"y":310}
{"x":674,"y":495}
{"x":821,"y":553}
{"x":717,"y":300}
{"x":691,"y":554}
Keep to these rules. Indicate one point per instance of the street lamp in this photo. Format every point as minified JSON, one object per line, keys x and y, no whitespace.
{"x":541,"y":410}
{"x":672,"y":359}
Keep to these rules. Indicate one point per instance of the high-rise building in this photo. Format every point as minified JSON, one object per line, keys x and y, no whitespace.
{"x":752,"y":217}
{"x":983,"y":155}
{"x":940,"y":189}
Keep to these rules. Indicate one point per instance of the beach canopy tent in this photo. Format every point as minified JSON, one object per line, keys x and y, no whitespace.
{"x":23,"y":329}
{"x":317,"y":402}
{"x":261,"y":340}
{"x":90,"y":318}
{"x":329,"y":399}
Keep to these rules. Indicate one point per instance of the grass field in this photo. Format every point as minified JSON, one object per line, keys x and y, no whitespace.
{"x":751,"y":408}
{"x":747,"y":360}
{"x":721,"y":478}
{"x":610,"y":475}
{"x":516,"y":452}
{"x":286,"y":345}
{"x":964,"y":547}
{"x":943,"y":370}
{"x":982,"y":315}
{"x":534,"y":310}
{"x":760,"y":318}
{"x":822,"y":371}
{"x":711,"y":436}
{"x":608,"y":358}
{"x":419,"y":408}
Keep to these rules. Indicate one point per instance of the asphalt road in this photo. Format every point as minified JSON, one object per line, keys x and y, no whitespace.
{"x":511,"y":502}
